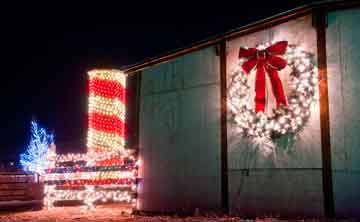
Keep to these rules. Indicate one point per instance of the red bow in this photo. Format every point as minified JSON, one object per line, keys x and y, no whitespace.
{"x":268,"y":60}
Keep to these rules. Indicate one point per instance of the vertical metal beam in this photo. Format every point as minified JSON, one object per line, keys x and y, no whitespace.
{"x":132,"y":111}
{"x":320,"y":23}
{"x":224,"y":145}
{"x":137,"y":117}
{"x":136,"y":124}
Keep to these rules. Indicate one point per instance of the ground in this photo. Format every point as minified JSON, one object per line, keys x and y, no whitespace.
{"x":110,"y":213}
{"x":102,"y":213}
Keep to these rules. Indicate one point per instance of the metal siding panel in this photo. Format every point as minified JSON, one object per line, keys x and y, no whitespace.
{"x":343,"y":47}
{"x":179,"y":135}
{"x":203,"y":63}
{"x":298,"y":153}
{"x":276,"y":193}
{"x":163,"y":77}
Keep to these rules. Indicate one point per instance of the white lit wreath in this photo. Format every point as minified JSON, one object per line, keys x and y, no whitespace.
{"x":289,"y":117}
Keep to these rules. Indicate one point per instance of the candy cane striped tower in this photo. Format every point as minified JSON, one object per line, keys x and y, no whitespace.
{"x":107,"y":172}
{"x":107,"y":105}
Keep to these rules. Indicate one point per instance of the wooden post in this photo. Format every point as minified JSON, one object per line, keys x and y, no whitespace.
{"x":224,"y":153}
{"x":320,"y":23}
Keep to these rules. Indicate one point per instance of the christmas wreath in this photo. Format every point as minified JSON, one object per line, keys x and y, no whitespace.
{"x":292,"y":108}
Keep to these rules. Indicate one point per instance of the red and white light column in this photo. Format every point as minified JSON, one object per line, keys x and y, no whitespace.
{"x":107,"y":172}
{"x":107,"y":108}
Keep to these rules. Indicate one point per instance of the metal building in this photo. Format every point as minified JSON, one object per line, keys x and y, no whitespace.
{"x":192,"y":159}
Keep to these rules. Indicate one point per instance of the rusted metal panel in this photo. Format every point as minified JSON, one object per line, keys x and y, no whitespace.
{"x":180,"y":135}
{"x":343,"y":34}
{"x":301,"y":152}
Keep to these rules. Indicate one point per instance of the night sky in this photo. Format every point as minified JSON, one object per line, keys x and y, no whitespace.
{"x":47,"y":49}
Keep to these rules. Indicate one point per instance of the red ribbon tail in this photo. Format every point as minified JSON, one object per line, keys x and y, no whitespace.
{"x":260,"y":89}
{"x":277,"y":87}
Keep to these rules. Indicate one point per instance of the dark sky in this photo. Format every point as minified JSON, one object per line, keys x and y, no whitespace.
{"x":47,"y":49}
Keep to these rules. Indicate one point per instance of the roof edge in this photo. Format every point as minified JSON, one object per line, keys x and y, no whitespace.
{"x":243,"y":30}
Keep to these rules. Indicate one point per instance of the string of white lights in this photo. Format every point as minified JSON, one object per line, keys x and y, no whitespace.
{"x":286,"y":119}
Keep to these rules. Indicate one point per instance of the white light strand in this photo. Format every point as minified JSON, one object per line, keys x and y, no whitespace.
{"x":289,"y":119}
{"x":106,"y":106}
{"x":112,"y":75}
{"x":89,"y":195}
{"x":106,"y":141}
{"x":88,"y":175}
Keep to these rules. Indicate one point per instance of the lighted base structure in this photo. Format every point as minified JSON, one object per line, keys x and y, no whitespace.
{"x":91,"y":181}
{"x":107,"y":172}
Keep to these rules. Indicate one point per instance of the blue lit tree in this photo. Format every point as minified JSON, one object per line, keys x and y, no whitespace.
{"x":34,"y":158}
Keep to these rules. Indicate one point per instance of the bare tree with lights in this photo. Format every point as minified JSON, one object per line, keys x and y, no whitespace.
{"x":34,"y":159}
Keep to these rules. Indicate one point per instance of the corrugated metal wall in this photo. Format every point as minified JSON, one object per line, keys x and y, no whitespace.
{"x":288,"y":182}
{"x":180,"y":134}
{"x":343,"y":51}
